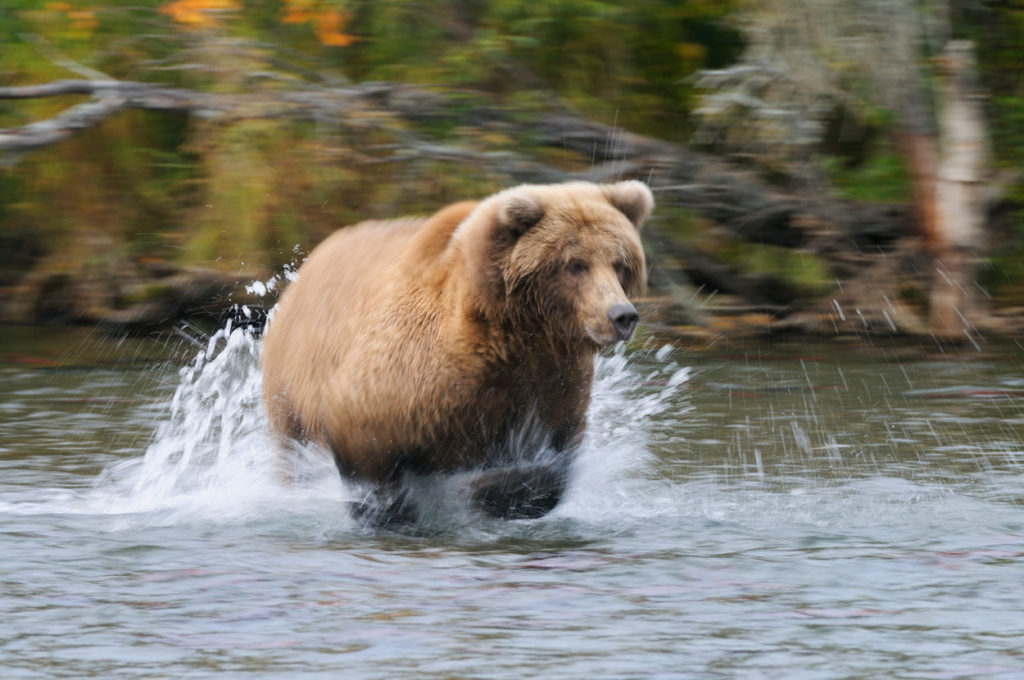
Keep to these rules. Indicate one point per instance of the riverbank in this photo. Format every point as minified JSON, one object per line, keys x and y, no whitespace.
{"x":134,"y":299}
{"x":712,"y":317}
{"x":151,"y":298}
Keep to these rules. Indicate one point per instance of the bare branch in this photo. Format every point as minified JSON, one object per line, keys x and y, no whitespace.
{"x":56,"y":88}
{"x":59,"y":127}
{"x":111,"y":96}
{"x":58,"y":58}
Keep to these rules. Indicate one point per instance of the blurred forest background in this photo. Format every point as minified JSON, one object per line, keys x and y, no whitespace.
{"x":819,"y":165}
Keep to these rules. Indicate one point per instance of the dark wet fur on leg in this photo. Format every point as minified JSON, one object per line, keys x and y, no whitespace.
{"x":519,"y":492}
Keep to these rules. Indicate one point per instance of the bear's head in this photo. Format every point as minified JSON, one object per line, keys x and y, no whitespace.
{"x":561,"y":259}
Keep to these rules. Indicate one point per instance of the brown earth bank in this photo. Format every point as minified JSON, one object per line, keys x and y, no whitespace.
{"x":146,"y":297}
{"x":134,"y":300}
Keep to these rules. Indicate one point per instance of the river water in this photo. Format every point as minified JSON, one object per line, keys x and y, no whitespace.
{"x":762,"y":511}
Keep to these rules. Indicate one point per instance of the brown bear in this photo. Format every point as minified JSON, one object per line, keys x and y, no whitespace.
{"x":418,"y":346}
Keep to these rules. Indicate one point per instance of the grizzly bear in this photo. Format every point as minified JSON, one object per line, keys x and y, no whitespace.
{"x":462,"y":341}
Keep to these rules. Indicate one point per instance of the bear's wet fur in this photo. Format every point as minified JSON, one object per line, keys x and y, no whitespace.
{"x":442,"y":344}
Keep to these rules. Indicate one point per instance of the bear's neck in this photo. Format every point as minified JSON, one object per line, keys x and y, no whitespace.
{"x":532,"y":374}
{"x":546,"y":379}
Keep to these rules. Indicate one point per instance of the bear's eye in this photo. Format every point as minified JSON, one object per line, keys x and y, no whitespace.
{"x":621,"y":270}
{"x":576,"y":267}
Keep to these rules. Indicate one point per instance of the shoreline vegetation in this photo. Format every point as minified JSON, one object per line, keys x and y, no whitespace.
{"x":158,"y":299}
{"x":170,"y":172}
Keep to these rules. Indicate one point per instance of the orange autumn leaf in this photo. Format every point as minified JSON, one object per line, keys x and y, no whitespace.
{"x":83,"y":20}
{"x":328,"y":25}
{"x":336,"y":39}
{"x":297,"y":16}
{"x":299,"y":11}
{"x":197,"y":13}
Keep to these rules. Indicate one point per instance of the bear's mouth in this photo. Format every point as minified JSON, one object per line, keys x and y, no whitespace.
{"x":603,"y":339}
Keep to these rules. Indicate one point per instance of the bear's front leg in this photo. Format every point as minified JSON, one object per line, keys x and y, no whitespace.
{"x":524,"y":492}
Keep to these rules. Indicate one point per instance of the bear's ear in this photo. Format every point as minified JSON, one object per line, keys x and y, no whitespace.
{"x":632,"y":198}
{"x":518,"y":213}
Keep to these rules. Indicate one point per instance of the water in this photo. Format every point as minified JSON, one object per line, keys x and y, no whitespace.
{"x":781,"y":511}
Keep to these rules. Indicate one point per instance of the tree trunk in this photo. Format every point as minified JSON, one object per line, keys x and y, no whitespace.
{"x":959,"y":207}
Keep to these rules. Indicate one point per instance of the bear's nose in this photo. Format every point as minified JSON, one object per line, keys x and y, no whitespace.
{"x":624,"y":318}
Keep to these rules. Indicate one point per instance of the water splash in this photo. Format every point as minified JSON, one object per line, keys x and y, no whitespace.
{"x":623,"y":424}
{"x":211,"y":453}
{"x":212,"y":457}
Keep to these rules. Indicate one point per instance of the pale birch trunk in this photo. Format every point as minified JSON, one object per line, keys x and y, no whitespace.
{"x":964,"y":165}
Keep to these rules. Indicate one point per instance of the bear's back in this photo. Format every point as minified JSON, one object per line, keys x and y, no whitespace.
{"x":335,"y":318}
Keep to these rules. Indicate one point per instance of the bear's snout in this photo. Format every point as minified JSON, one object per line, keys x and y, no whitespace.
{"x":624,"y":318}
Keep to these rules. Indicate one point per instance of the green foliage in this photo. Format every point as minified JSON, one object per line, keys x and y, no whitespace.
{"x":162,"y":186}
{"x":1002,"y":274}
{"x":1008,"y":129}
{"x":619,"y":60}
{"x":997,"y":29}
{"x":807,"y":273}
{"x":881,"y":177}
